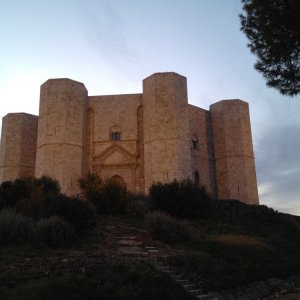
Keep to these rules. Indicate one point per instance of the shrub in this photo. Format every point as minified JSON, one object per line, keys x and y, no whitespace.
{"x":47,"y":184}
{"x":112,"y":198}
{"x":73,"y":209}
{"x":137,"y":205}
{"x":14,"y":228}
{"x":11,"y":192}
{"x":54,"y":232}
{"x":183,"y":199}
{"x":33,"y":206}
{"x":109,"y":197}
{"x":166,"y":228}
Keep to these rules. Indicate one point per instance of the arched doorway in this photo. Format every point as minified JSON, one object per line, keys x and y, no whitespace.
{"x":119,"y":180}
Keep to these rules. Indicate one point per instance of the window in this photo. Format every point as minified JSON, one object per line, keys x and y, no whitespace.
{"x":194,"y":142}
{"x":115,"y":133}
{"x":115,"y":136}
{"x":196,"y":177}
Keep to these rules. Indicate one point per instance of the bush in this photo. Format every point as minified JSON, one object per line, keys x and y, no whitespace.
{"x":46,"y":201}
{"x":47,"y":184}
{"x":34,"y":205}
{"x":53,"y":232}
{"x":14,"y":228}
{"x":73,"y":209}
{"x":163,"y":227}
{"x":183,"y":199}
{"x":11,"y":192}
{"x":109,"y":197}
{"x":137,"y":205}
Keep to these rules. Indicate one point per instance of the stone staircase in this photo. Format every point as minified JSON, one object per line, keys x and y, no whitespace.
{"x":135,"y":243}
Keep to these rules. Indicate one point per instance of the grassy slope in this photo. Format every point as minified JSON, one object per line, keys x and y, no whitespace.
{"x":138,"y":281}
{"x":234,"y":246}
{"x":240,"y":244}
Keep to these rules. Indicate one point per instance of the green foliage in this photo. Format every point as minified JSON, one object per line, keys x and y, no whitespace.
{"x":253,"y":219}
{"x":14,"y":228}
{"x":109,"y":197}
{"x":41,"y":198}
{"x":53,"y":232}
{"x":137,"y":205}
{"x":11,"y":192}
{"x":47,"y":184}
{"x":183,"y":199}
{"x":273,"y":28}
{"x":74,"y":210}
{"x":166,"y":228}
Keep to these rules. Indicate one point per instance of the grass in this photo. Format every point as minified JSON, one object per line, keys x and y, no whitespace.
{"x":138,"y":281}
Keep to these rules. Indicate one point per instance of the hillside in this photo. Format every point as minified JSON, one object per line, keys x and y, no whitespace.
{"x":139,"y":253}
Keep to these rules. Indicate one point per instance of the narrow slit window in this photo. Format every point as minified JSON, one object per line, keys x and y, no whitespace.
{"x":194,"y":142}
{"x":196,"y":177}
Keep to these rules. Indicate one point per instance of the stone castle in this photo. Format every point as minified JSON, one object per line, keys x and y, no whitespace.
{"x":137,"y":139}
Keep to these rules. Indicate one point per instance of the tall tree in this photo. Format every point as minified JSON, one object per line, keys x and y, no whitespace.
{"x":273,"y":28}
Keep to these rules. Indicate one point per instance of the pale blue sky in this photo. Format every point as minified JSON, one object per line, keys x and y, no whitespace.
{"x":111,"y":45}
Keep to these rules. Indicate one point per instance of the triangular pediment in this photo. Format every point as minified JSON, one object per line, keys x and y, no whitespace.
{"x":115,"y":155}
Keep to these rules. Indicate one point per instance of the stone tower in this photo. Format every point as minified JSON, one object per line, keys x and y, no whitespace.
{"x":167,"y":152}
{"x":61,"y":143}
{"x":18,"y":146}
{"x":234,"y":158}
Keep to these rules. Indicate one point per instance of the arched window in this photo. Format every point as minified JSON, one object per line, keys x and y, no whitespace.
{"x":196,"y":177}
{"x":195,"y":142}
{"x":115,"y":133}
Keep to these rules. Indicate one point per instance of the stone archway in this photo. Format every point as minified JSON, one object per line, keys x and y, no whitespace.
{"x":119,"y":180}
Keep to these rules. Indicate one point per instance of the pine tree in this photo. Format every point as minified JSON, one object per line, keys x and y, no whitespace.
{"x":273,"y":28}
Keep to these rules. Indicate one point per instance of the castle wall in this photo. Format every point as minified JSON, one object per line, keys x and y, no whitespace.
{"x":201,"y":151}
{"x":61,"y":145}
{"x":138,"y":139}
{"x":18,"y":146}
{"x":167,"y":152}
{"x":235,"y":169}
{"x":109,"y":157}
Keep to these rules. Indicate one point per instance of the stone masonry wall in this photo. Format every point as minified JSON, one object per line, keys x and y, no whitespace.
{"x":201,"y":157}
{"x":108,"y":157}
{"x":235,"y":169}
{"x":18,"y":146}
{"x":167,"y":152}
{"x":156,"y":128}
{"x":61,"y":146}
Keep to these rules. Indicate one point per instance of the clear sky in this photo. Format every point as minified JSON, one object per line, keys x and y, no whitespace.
{"x":112,"y":45}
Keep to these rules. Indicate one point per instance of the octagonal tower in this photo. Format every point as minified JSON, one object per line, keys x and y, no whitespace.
{"x":61,"y":144}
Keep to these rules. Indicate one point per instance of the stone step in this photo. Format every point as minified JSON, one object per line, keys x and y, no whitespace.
{"x":152,"y":250}
{"x":133,"y":251}
{"x":205,"y":297}
{"x":129,"y":243}
{"x":147,"y":247}
{"x":126,"y":236}
{"x":195,"y":291}
{"x":189,"y":286}
{"x":178,"y":278}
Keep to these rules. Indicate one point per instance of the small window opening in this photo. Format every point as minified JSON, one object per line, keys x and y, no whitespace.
{"x":196,"y":177}
{"x":115,"y":136}
{"x":115,"y":133}
{"x":194,"y":142}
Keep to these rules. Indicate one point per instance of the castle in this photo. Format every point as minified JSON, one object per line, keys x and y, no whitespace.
{"x":137,"y":139}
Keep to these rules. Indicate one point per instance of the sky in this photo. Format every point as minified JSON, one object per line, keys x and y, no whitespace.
{"x":112,"y":45}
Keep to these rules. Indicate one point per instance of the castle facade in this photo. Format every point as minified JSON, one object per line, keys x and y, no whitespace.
{"x":137,"y":139}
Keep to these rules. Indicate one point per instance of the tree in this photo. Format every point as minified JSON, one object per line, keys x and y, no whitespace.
{"x":273,"y":28}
